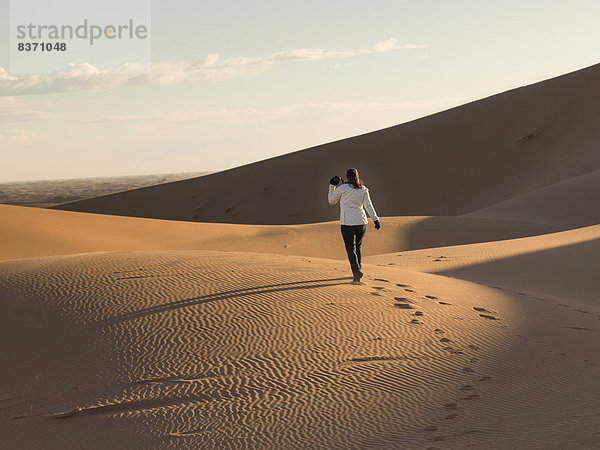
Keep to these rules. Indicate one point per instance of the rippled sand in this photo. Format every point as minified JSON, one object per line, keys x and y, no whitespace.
{"x":220,"y":349}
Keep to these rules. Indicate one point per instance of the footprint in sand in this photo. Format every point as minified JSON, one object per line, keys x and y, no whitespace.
{"x":403,"y":306}
{"x":476,"y":308}
{"x":376,"y":293}
{"x":468,"y":370}
{"x":445,"y":339}
{"x":403,"y":285}
{"x":485,"y":378}
{"x":437,"y":330}
{"x":451,"y":416}
{"x":403,"y":299}
{"x":580,"y":328}
{"x":444,"y":303}
{"x":454,"y":351}
{"x":382,"y":279}
{"x":379,"y":288}
{"x":470,"y":397}
{"x":450,"y":405}
{"x":431,"y":428}
{"x":409,"y":290}
{"x":418,"y":313}
{"x":431,"y":297}
{"x":466,"y":387}
{"x":415,"y":321}
{"x":473,"y":347}
{"x":489,"y":317}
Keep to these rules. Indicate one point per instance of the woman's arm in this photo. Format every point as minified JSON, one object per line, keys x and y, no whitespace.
{"x":334,"y":194}
{"x":369,"y":207}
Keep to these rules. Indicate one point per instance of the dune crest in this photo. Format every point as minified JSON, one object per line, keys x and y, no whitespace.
{"x":450,"y":163}
{"x":30,"y":232}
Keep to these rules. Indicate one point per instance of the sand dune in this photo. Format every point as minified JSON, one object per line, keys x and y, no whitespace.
{"x":450,"y":163}
{"x":570,"y":203}
{"x":197,"y":348}
{"x":30,"y":232}
{"x":561,"y":266}
{"x":213,"y":349}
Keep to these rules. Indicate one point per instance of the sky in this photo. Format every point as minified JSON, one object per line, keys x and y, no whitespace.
{"x":234,"y":82}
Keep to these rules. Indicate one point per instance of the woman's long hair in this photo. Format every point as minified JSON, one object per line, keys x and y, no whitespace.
{"x":353,"y":179}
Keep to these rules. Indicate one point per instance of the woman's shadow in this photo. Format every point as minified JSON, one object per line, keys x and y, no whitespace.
{"x":224,"y":295}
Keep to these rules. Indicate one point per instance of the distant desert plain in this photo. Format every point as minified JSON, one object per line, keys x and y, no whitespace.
{"x":218,"y":311}
{"x":46,"y":193}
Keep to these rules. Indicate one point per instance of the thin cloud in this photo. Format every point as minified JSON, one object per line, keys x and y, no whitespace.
{"x":247,"y":116}
{"x":16,"y":135}
{"x":11,"y":111}
{"x":299,"y":55}
{"x":84,"y":76}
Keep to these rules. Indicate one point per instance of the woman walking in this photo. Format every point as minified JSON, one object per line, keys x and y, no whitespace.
{"x":354,"y":197}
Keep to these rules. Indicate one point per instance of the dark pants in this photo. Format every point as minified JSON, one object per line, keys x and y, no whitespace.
{"x":353,"y":236}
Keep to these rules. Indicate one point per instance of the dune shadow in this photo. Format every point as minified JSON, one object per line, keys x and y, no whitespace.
{"x":208,"y":298}
{"x":567,"y":271}
{"x":444,"y":231}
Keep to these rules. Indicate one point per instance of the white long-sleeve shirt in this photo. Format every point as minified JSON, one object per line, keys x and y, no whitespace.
{"x":353,"y":202}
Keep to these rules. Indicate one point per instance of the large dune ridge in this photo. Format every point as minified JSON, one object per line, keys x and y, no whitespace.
{"x":30,"y":232}
{"x":450,"y":163}
{"x":476,"y":326}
